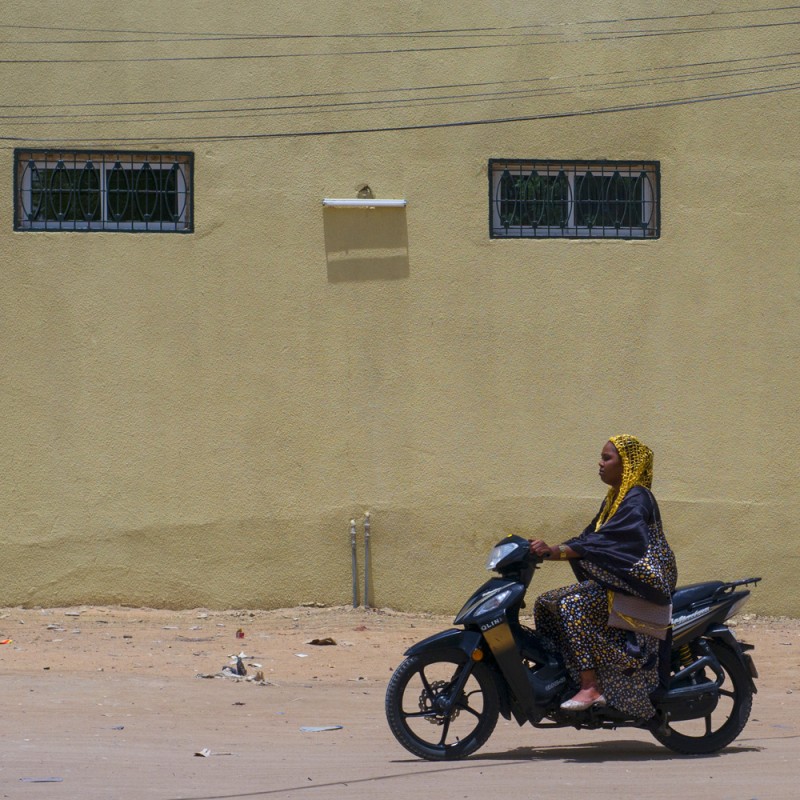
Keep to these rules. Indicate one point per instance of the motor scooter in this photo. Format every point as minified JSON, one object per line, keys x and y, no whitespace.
{"x":444,"y":700}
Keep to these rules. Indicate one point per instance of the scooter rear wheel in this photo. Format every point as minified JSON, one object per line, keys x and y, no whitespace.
{"x":427,"y":719}
{"x":720,"y":727}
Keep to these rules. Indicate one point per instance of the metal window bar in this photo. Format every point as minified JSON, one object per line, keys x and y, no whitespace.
{"x":574,"y":199}
{"x":103,"y":191}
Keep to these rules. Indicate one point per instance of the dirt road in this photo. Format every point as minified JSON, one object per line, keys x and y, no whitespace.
{"x":102,"y":703}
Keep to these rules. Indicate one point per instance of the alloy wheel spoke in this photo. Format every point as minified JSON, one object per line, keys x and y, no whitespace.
{"x":426,"y":685}
{"x":445,"y":731}
{"x":418,"y":714}
{"x":465,"y":706}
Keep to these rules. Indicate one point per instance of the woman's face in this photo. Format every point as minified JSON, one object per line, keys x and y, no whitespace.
{"x":610,"y":466}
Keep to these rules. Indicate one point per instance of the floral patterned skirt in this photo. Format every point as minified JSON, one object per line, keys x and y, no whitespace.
{"x":574,"y":619}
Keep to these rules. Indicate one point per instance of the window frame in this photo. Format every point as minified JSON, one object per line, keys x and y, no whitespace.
{"x":102,"y":165}
{"x":573,"y":169}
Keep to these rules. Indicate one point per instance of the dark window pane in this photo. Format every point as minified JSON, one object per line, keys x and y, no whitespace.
{"x":574,"y":199}
{"x":102,"y":191}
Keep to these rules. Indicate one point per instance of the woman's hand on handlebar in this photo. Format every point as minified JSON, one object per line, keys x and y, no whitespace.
{"x":541,"y":549}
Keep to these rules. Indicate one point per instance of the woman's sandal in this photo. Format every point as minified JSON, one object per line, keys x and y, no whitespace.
{"x":583,"y":705}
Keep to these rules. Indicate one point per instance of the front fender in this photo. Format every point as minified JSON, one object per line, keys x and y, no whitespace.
{"x":458,"y":639}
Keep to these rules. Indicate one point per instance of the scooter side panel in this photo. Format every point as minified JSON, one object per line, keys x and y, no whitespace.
{"x":501,"y":642}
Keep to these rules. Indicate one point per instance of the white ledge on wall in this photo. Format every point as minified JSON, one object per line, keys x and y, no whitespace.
{"x":365,"y":202}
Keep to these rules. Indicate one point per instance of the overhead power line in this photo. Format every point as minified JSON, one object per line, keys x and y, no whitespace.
{"x":592,"y":36}
{"x":399,"y":103}
{"x":402,"y":89}
{"x":629,"y":107}
{"x":505,"y":30}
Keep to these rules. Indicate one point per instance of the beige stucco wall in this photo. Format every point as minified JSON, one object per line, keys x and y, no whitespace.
{"x":193,"y":419}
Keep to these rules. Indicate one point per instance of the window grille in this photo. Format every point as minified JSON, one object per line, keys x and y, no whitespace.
{"x":103,"y":191}
{"x":573,"y":199}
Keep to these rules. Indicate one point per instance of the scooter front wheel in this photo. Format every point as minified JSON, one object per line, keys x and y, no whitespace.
{"x":430,"y":715}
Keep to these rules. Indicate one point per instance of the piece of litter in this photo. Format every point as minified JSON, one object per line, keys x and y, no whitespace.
{"x":302,"y":655}
{"x":229,"y":672}
{"x":320,"y":728}
{"x":206,"y":753}
{"x":41,"y":780}
{"x":6,"y":641}
{"x":322,"y":642}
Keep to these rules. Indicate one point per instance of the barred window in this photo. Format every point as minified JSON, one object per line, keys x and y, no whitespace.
{"x":573,"y":199}
{"x":102,"y":191}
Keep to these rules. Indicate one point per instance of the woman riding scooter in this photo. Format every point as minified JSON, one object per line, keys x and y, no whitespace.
{"x":624,"y":566}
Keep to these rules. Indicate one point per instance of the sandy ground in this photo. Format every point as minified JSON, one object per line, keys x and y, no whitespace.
{"x":102,"y":703}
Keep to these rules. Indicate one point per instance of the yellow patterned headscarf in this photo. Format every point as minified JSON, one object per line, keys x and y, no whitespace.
{"x":637,"y":470}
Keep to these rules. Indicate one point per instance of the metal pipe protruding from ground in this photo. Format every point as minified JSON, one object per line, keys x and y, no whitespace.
{"x":355,"y":565}
{"x":366,"y":560}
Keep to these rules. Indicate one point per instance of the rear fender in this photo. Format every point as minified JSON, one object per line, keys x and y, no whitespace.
{"x":725,"y":635}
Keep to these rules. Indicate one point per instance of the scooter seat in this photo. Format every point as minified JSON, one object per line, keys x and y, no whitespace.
{"x":685,"y":596}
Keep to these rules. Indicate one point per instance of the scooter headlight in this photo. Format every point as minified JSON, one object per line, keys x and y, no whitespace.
{"x":499,"y":553}
{"x":493,"y":603}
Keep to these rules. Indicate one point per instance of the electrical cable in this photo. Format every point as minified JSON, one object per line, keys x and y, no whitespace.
{"x":216,"y":36}
{"x":424,"y":88}
{"x":382,"y":104}
{"x":643,"y":106}
{"x":591,"y":36}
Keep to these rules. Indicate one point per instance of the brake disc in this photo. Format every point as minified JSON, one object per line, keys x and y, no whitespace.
{"x":425,"y":705}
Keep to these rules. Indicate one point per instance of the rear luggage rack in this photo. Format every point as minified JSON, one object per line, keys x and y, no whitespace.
{"x":728,"y":588}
